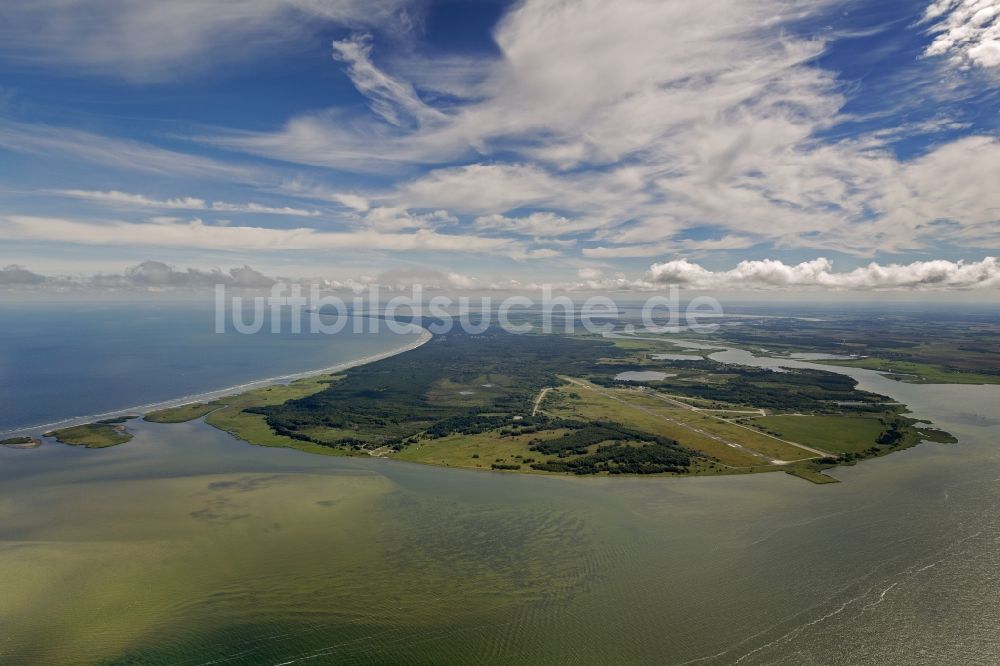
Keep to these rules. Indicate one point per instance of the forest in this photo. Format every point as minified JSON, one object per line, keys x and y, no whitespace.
{"x":424,"y":390}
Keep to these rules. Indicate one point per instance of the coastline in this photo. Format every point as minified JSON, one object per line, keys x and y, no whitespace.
{"x":423,"y":337}
{"x":296,"y":385}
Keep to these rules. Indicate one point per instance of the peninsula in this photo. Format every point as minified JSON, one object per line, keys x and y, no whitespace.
{"x":565,"y":404}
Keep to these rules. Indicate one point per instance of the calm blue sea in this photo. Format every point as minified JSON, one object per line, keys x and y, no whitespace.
{"x":65,"y":360}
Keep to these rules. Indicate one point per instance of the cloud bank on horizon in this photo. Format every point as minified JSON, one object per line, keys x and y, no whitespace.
{"x":716,"y":145}
{"x":766,"y":275}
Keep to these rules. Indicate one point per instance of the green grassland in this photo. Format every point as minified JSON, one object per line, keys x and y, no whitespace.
{"x":849,"y":434}
{"x":230,"y":414}
{"x":479,"y":451}
{"x":690,"y":429}
{"x":253,"y":428}
{"x":181,"y":414}
{"x":21,"y":442}
{"x":92,"y":435}
{"x":836,"y":434}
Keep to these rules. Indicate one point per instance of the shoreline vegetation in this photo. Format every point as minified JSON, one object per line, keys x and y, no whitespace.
{"x":98,"y":435}
{"x":929,"y":348}
{"x":21,"y":442}
{"x":550,"y":404}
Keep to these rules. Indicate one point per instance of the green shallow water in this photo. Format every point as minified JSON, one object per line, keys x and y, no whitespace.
{"x":186,"y":546}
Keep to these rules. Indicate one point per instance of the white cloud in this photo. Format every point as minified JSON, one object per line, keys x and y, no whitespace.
{"x":354,"y":201}
{"x":967,"y":31}
{"x":303,"y":188}
{"x":480,"y":188}
{"x":388,"y":96}
{"x":640,"y":120}
{"x":629,"y":126}
{"x":626,"y":251}
{"x":198,"y":235}
{"x":949,"y":195}
{"x":387,"y":218}
{"x":114,"y":197}
{"x":125,"y":154}
{"x":152,"y":41}
{"x":540,"y":224}
{"x":727,"y":242}
{"x":819,"y":274}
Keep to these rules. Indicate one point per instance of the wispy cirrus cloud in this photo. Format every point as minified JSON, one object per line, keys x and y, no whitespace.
{"x":156,"y":41}
{"x":124,"y":154}
{"x":638,"y":121}
{"x":116,"y":198}
{"x":195,"y":234}
{"x":390,"y":98}
{"x":613,"y":131}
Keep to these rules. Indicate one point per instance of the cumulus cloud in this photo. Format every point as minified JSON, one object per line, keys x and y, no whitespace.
{"x":819,"y":274}
{"x":116,"y":198}
{"x":966,"y":31}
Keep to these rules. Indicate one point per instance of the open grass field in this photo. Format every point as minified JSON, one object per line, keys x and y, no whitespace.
{"x":719,"y":423}
{"x":837,"y":434}
{"x":582,"y":404}
{"x":479,"y":451}
{"x":694,"y":430}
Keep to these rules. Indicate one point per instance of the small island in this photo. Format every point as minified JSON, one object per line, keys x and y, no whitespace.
{"x":21,"y":442}
{"x":99,"y":435}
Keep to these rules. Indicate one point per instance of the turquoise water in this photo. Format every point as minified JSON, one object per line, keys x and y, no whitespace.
{"x":186,"y":546}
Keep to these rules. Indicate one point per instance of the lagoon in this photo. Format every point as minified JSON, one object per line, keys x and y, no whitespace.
{"x":641,"y":376}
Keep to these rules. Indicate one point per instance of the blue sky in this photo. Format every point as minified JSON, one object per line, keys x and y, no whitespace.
{"x":609,"y":144}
